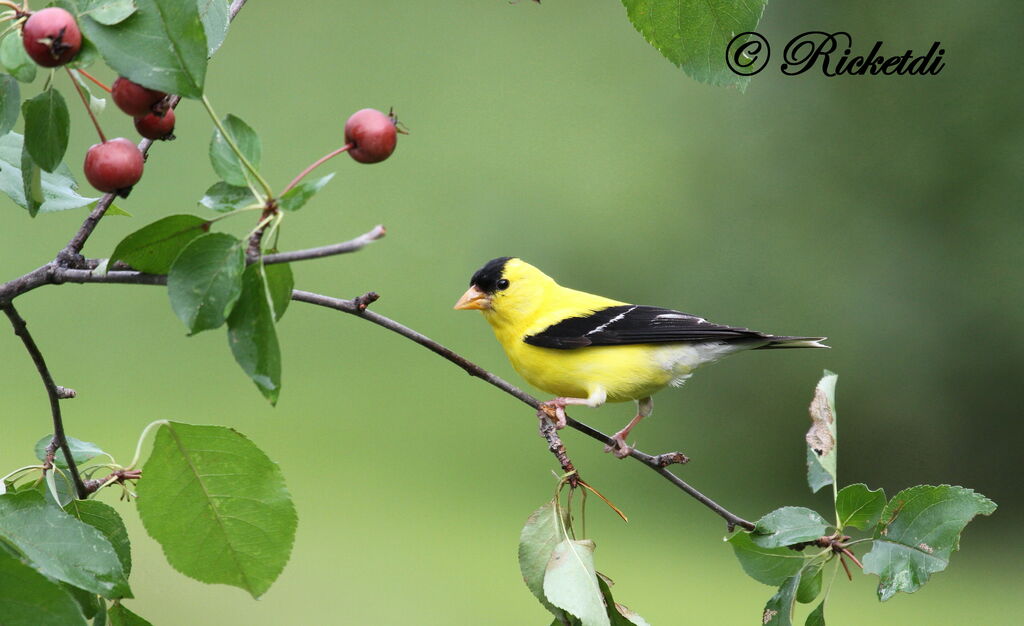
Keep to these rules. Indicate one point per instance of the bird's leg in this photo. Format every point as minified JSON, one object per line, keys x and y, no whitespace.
{"x":595,"y":399}
{"x":620,"y":448}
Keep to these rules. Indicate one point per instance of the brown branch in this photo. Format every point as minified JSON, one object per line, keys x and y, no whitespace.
{"x":353,"y":245}
{"x":52,"y":390}
{"x":557,"y":448}
{"x":657,"y":463}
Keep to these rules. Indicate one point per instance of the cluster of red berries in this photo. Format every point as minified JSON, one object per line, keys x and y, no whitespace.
{"x":52,"y":38}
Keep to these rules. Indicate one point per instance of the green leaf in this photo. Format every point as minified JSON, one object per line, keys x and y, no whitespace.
{"x":47,"y":127}
{"x":107,"y":12}
{"x":821,"y":438}
{"x":154,"y":247}
{"x":32,"y":183}
{"x":920,"y":529}
{"x":817,"y":477}
{"x":858,"y":506}
{"x":10,"y":103}
{"x":161,"y":46}
{"x":223,"y":198}
{"x":114,"y":209}
{"x":58,"y":188}
{"x":618,"y":614}
{"x":81,"y":451}
{"x":537,"y":540}
{"x":570,"y":582}
{"x":61,"y":547}
{"x":27,"y":598}
{"x":817,"y":616}
{"x":252,"y":336}
{"x":87,"y":56}
{"x":15,"y":60}
{"x":105,"y":519}
{"x":215,"y":17}
{"x":810,"y":582}
{"x":298,"y":195}
{"x":280,"y":283}
{"x":694,"y":35}
{"x":779,"y":610}
{"x":771,"y":566}
{"x":225,"y":162}
{"x":120,"y":616}
{"x":205,"y":281}
{"x":218,"y":506}
{"x":788,"y":525}
{"x":88,"y":603}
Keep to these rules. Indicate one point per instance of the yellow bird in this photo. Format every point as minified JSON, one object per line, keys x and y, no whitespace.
{"x":587,"y":349}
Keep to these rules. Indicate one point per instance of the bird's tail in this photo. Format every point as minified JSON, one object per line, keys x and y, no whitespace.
{"x":794,"y":342}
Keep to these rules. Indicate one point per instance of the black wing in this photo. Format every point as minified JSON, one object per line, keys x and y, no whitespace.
{"x":629,"y":324}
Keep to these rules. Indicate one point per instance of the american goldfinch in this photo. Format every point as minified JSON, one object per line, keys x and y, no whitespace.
{"x":587,"y":349}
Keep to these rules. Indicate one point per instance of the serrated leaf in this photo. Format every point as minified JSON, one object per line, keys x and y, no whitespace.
{"x":216,"y":19}
{"x":280,"y":283}
{"x":222,"y":157}
{"x":858,"y":506}
{"x":223,"y":198}
{"x":28,"y":598}
{"x":618,"y":614}
{"x":821,"y":438}
{"x":61,"y":547}
{"x":107,"y":12}
{"x":89,"y":603}
{"x":47,"y":128}
{"x":10,"y":103}
{"x":15,"y":60}
{"x":788,"y":525}
{"x":694,"y":35}
{"x":81,"y":451}
{"x":161,"y":46}
{"x":105,"y":519}
{"x":120,"y":616}
{"x":817,"y":616}
{"x":779,"y":609}
{"x":771,"y":566}
{"x":252,"y":336}
{"x":300,"y":194}
{"x":154,"y":247}
{"x":537,"y":540}
{"x":817,"y":477}
{"x":919,"y":530}
{"x":218,"y":506}
{"x":205,"y":281}
{"x":570,"y":582}
{"x":58,"y":188}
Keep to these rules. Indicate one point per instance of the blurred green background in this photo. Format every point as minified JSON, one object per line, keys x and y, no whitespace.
{"x":884,"y":212}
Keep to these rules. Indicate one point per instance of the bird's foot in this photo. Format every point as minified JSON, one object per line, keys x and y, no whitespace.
{"x":555,"y":411}
{"x":618,"y":446}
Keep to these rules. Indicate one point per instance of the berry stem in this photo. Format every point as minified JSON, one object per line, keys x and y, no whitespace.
{"x":11,"y":5}
{"x":81,"y":94}
{"x":94,"y":79}
{"x":316,"y":164}
{"x":238,"y":153}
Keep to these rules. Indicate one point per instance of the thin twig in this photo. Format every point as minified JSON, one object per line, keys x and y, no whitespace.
{"x":557,"y":448}
{"x":21,"y":330}
{"x":353,"y":245}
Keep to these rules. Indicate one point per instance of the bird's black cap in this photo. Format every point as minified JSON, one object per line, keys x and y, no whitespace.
{"x":486,"y":278}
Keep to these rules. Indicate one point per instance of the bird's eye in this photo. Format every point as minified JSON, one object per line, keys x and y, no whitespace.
{"x":503,"y":284}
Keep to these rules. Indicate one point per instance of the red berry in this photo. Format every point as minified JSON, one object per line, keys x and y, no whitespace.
{"x":134,"y":99}
{"x":114,"y":166}
{"x":372,"y":134}
{"x":51,"y":37}
{"x":154,"y":126}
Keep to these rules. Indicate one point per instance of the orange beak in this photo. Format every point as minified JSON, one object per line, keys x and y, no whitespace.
{"x":473,"y":299}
